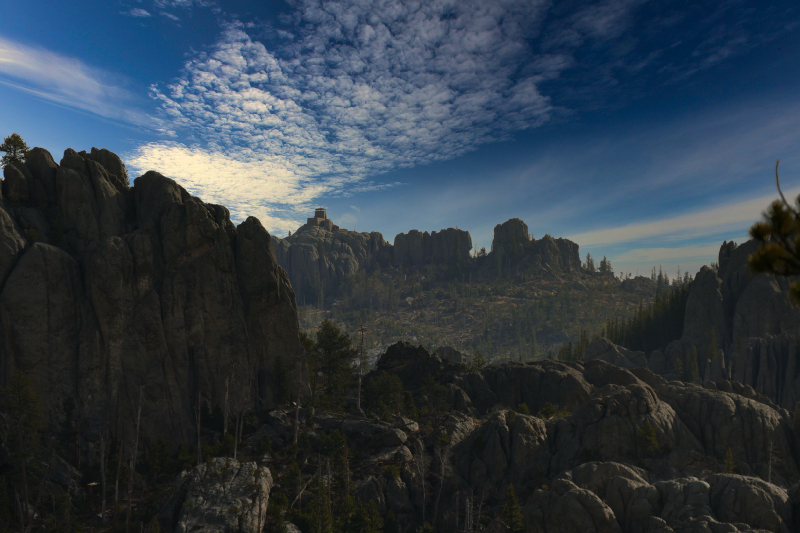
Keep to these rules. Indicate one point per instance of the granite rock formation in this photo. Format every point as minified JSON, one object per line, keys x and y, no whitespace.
{"x":220,"y":496}
{"x":623,"y":451}
{"x":319,"y":261}
{"x":753,"y":322}
{"x":416,"y":248}
{"x":513,"y":246}
{"x":320,"y":256}
{"x":110,"y":292}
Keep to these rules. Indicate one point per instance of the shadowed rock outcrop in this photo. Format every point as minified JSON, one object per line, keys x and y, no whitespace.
{"x":319,"y":261}
{"x":624,"y":451}
{"x":416,"y":248}
{"x":514,"y":247}
{"x":110,"y":291}
{"x":754,"y":324}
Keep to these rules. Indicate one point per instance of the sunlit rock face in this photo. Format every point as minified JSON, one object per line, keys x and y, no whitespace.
{"x":113,"y":291}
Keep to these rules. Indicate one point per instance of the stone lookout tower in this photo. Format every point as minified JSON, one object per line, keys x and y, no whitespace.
{"x":321,"y":219}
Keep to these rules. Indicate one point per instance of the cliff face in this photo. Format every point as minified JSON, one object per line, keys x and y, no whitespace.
{"x":111,"y":291}
{"x":754,"y":322}
{"x":319,"y":260}
{"x":320,"y":256}
{"x":513,"y":246}
{"x":416,"y":248}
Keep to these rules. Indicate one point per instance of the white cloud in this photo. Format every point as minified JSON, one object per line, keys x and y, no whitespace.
{"x":260,"y":186}
{"x":136,"y":12}
{"x":356,"y":209}
{"x":66,"y":81}
{"x":359,"y":89}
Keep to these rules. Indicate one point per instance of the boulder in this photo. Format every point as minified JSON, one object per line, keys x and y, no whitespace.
{"x":224,"y":496}
{"x":16,"y":183}
{"x":605,"y":350}
{"x":449,"y":354}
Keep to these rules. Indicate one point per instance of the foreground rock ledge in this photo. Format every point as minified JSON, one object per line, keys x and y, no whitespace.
{"x":224,"y":496}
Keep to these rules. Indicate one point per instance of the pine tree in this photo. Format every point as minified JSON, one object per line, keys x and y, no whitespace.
{"x":777,"y":233}
{"x":730,"y":465}
{"x":512,"y":513}
{"x":15,"y":148}
{"x":692,"y":371}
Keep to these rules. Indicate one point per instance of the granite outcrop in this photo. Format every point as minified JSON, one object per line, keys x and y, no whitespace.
{"x":111,"y":293}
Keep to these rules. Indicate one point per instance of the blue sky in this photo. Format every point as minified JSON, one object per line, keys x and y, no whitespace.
{"x":645,"y":131}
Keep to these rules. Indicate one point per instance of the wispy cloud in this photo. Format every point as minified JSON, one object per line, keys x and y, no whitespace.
{"x":700,"y":223}
{"x":655,"y":256}
{"x":352,"y":89}
{"x":358,"y":89}
{"x":137,"y":12}
{"x":67,"y":81}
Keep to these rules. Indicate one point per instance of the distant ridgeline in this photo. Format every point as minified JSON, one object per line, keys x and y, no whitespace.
{"x":320,"y":255}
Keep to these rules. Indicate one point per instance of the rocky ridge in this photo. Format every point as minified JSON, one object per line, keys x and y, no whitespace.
{"x":113,"y":292}
{"x":320,"y":257}
{"x":752,"y":322}
{"x":619,"y":451}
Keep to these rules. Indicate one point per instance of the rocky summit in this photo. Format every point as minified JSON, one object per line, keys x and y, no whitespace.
{"x":116,"y":296}
{"x":320,"y":256}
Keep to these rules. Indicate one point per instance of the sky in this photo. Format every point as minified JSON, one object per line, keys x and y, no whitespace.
{"x":645,"y":131}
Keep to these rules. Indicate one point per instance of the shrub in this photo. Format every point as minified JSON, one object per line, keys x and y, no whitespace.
{"x":523,"y":409}
{"x":547,"y":412}
{"x":647,"y":438}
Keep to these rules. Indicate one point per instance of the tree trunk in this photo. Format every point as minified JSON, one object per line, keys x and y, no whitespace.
{"x":225,"y":419}
{"x":197,"y":423}
{"x":120,"y":453}
{"x":236,"y":437}
{"x":25,"y":487}
{"x":133,"y":464}
{"x":19,"y":510}
{"x":103,"y":479}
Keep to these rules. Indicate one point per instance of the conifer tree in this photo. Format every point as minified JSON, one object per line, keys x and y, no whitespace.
{"x":730,"y":464}
{"x":779,"y":237}
{"x":512,"y":513}
{"x":15,"y":150}
{"x":692,"y":371}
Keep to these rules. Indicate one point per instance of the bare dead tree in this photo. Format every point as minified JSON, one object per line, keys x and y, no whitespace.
{"x":362,"y":363}
{"x":103,"y":442}
{"x":458,"y":500}
{"x":297,"y":403}
{"x":468,"y":513}
{"x":133,"y":462}
{"x":480,"y":511}
{"x":422,"y":461}
{"x":443,"y":456}
{"x":346,"y":473}
{"x":225,"y":416}
{"x":197,"y":422}
{"x":120,"y":453}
